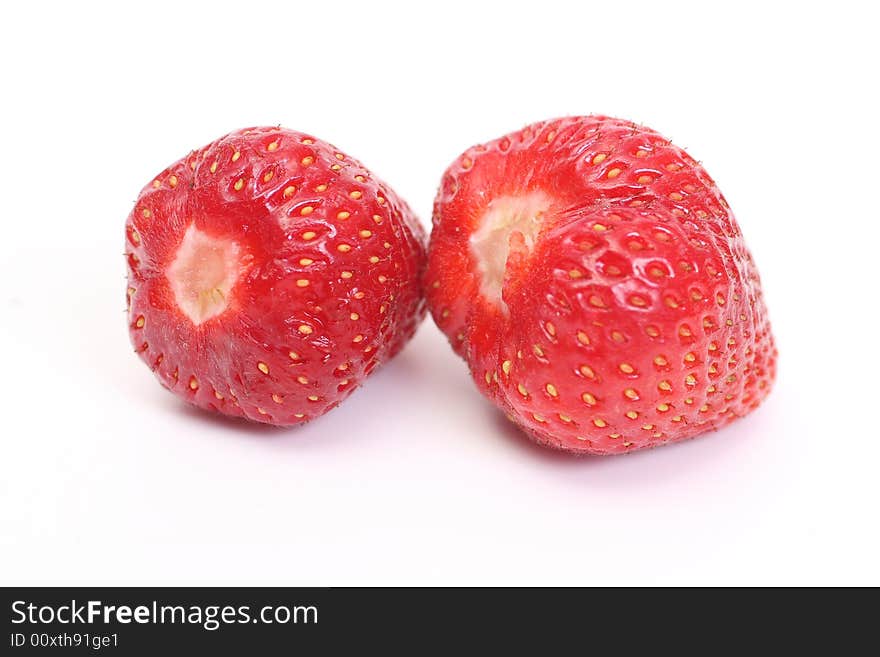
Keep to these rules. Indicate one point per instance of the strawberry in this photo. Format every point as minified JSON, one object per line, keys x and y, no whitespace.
{"x":269,"y":274}
{"x":594,"y":279}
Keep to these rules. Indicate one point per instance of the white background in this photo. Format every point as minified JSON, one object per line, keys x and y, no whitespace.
{"x":106,"y":479}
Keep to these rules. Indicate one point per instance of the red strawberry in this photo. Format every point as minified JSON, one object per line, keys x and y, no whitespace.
{"x":596,"y":282}
{"x":269,"y":273}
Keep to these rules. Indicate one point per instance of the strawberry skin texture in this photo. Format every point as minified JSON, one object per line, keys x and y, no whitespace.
{"x":268,"y":274}
{"x":623,"y":310}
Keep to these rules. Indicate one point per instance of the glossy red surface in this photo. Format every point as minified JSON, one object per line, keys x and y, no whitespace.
{"x":636,"y":318}
{"x":326,"y":265}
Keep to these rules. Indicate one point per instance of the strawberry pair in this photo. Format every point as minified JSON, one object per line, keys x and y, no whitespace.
{"x":589,"y":272}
